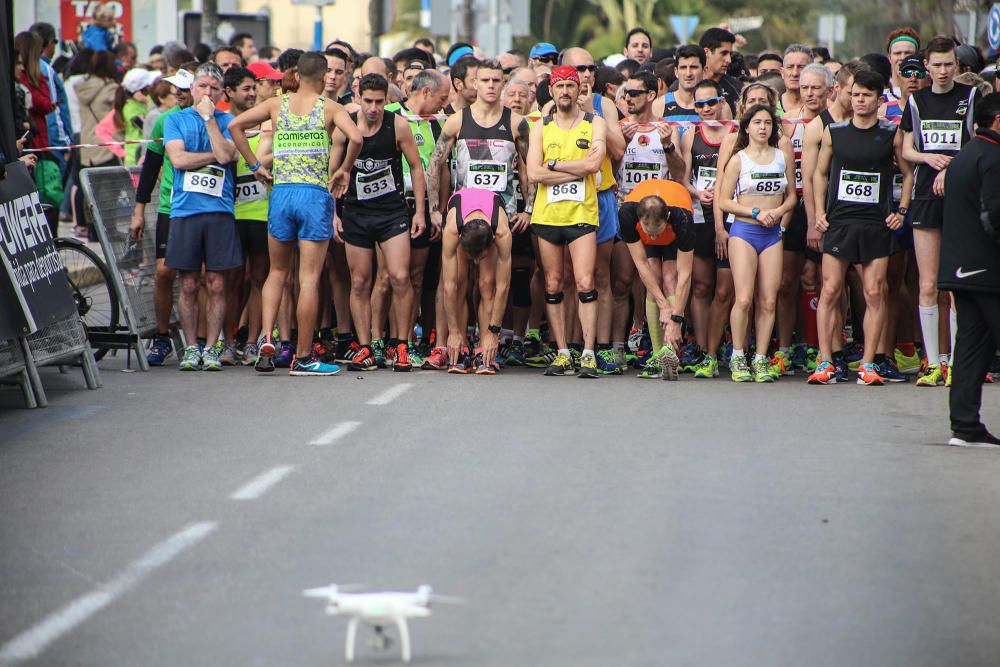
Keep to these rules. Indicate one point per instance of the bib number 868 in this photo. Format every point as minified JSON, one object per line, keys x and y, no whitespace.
{"x":566,"y":189}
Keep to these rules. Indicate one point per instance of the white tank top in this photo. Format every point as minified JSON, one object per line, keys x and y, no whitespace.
{"x":644,"y":159}
{"x":762,"y":179}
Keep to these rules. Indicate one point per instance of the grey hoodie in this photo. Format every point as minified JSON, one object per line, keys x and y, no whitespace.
{"x":97,"y":98}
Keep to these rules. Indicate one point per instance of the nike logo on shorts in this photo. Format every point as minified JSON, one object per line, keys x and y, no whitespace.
{"x":959,"y":273}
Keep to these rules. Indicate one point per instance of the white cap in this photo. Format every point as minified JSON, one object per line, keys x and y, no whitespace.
{"x":183,"y":79}
{"x":137,"y":79}
{"x":614,"y":59}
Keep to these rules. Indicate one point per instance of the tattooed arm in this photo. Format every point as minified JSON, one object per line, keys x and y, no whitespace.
{"x":520,"y":221}
{"x":442,"y":152}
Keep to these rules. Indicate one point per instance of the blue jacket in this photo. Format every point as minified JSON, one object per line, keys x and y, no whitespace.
{"x":97,"y":38}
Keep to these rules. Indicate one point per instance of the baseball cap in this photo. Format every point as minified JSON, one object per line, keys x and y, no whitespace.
{"x":543,"y":49}
{"x":912,"y":63}
{"x":183,"y":79}
{"x":137,"y":79}
{"x":263,"y":70}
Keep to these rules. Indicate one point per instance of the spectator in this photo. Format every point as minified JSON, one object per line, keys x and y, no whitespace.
{"x":97,"y":96}
{"x":202,"y":52}
{"x":39,"y":102}
{"x":132,"y":103}
{"x":126,"y":54}
{"x":288,"y":59}
{"x":77,"y":71}
{"x":424,"y":44}
{"x":243,"y":41}
{"x":164,"y":98}
{"x":269,"y":53}
{"x":99,"y":35}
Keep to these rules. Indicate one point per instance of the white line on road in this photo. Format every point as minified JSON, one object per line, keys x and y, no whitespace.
{"x":391,"y":394}
{"x":335,"y":433}
{"x":260,"y":484}
{"x":30,"y":643}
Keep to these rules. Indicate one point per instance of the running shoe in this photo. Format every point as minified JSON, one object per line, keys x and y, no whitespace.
{"x":390,"y":356}
{"x":607,"y":363}
{"x":212,"y":359}
{"x":575,"y":355}
{"x":652,"y":370}
{"x":312,"y":366}
{"x":635,"y":340}
{"x":724,"y":354}
{"x":191,"y":361}
{"x":853,"y":355}
{"x":266,"y":347}
{"x":762,"y":370}
{"x":285,"y":354}
{"x":933,"y":377}
{"x":887,"y":369}
{"x":825,"y":373}
{"x":416,"y":359}
{"x":364,"y":360}
{"x":798,"y":355}
{"x":378,"y":350}
{"x":515,"y":354}
{"x":464,"y":365}
{"x":502,"y":353}
{"x":669,"y":363}
{"x":532,"y":343}
{"x":346,"y":353}
{"x":322,"y":348}
{"x":691,"y":359}
{"x":868,"y":374}
{"x":842,"y":369}
{"x":401,"y":359}
{"x":588,"y":366}
{"x":784,"y":360}
{"x":947,"y":375}
{"x":437,"y":360}
{"x":159,"y":349}
{"x":483,"y":369}
{"x":987,"y":380}
{"x":984,"y":439}
{"x":739,"y":369}
{"x":228,"y":357}
{"x":423,"y":349}
{"x":542,"y":360}
{"x":561,"y":365}
{"x":812,"y":359}
{"x":250,"y":353}
{"x":907,"y":365}
{"x":708,"y":368}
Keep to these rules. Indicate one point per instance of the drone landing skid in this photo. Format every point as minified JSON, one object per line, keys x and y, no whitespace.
{"x":382,"y":641}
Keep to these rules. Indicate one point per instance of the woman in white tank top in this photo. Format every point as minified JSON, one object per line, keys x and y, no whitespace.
{"x":758,"y":188}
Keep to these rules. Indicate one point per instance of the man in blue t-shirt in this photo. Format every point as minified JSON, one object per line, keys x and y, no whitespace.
{"x":202,"y":226}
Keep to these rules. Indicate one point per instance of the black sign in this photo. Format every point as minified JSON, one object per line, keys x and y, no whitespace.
{"x":36,"y":291}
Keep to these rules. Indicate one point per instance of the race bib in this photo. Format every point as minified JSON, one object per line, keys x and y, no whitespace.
{"x":798,"y":175}
{"x":206,"y":181}
{"x":250,"y":191}
{"x":941,"y":135}
{"x":705,"y":179}
{"x":518,"y":195}
{"x":488,"y":175}
{"x":572,"y":191}
{"x":858,"y":187}
{"x":407,"y":183}
{"x":762,"y":183}
{"x":635,"y":173}
{"x":375,"y":184}
{"x":897,"y":187}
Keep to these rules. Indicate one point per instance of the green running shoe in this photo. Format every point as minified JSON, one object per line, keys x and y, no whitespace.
{"x":652,"y":370}
{"x":588,"y":366}
{"x":416,"y":360}
{"x":739,"y":370}
{"x":907,"y":365}
{"x":191,"y":361}
{"x":211,"y":360}
{"x":378,"y":350}
{"x":669,"y":362}
{"x":607,"y":363}
{"x":762,"y":371}
{"x":543,"y":359}
{"x":561,"y":365}
{"x":708,"y":368}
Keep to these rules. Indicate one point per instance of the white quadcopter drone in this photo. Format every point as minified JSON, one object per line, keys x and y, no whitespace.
{"x":378,"y":610}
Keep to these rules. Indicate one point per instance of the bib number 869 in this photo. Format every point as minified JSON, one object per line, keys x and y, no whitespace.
{"x":204,"y":181}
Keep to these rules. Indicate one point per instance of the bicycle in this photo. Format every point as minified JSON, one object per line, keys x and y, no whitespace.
{"x":91,"y":283}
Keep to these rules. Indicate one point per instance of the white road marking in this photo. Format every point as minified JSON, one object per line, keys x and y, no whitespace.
{"x":391,"y":394}
{"x":335,"y":433}
{"x":260,"y":484}
{"x":33,"y":641}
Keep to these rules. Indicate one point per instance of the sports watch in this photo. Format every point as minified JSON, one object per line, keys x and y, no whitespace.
{"x":494,"y":328}
{"x":755,"y":212}
{"x":551,"y":164}
{"x":677,"y":318}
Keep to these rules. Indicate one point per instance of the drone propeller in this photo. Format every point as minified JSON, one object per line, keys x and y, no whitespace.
{"x":446,"y":599}
{"x":331,"y":590}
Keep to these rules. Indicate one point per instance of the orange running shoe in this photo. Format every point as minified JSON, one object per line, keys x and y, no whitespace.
{"x":826,"y":373}
{"x":401,"y":359}
{"x":868,"y":374}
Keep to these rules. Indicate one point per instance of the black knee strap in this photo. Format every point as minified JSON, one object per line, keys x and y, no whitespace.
{"x":520,"y":286}
{"x":554,"y":298}
{"x":587,"y":297}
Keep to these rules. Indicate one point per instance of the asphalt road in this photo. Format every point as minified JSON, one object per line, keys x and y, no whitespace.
{"x":611,"y":522}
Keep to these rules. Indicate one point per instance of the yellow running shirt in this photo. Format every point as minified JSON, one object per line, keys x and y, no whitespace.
{"x":570,"y":203}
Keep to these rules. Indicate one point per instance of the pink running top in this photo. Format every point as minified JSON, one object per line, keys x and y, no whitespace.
{"x":470,"y":200}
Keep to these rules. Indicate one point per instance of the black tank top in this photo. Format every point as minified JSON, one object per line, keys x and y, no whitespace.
{"x":704,"y":159}
{"x":826,"y":117}
{"x":377,"y":177}
{"x":860,"y":188}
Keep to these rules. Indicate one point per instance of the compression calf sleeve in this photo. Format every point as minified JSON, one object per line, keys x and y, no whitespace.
{"x":653,"y":322}
{"x":929,"y":329}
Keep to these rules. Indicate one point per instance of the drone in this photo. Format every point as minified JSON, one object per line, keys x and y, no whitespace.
{"x":378,"y":610}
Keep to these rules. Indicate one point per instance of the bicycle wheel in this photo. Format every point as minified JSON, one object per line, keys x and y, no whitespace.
{"x":90,"y":282}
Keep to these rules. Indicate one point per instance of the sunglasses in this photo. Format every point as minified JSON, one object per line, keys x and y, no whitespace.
{"x":508,"y":70}
{"x":586,"y":68}
{"x":913,"y":74}
{"x":546,"y":59}
{"x":710,"y":102}
{"x":633,"y":92}
{"x":415,"y":64}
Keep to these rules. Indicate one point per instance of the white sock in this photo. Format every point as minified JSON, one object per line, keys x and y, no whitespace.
{"x":618,"y":345}
{"x":759,"y":357}
{"x":953,"y":321}
{"x":929,"y":329}
{"x":783,"y":350}
{"x":565,"y":351}
{"x":587,"y":351}
{"x":737,"y":352}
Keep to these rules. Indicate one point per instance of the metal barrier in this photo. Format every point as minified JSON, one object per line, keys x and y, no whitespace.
{"x":14,"y":366}
{"x":109,"y":193}
{"x":63,"y":342}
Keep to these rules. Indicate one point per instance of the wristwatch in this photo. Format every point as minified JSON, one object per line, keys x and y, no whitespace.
{"x":669,"y":149}
{"x":551,"y":164}
{"x":754,"y":213}
{"x":529,"y":209}
{"x":677,"y":318}
{"x":902,"y":210}
{"x":206,"y":118}
{"x":494,"y":328}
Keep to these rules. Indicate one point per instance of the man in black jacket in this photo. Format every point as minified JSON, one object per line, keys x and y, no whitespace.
{"x":970,"y":269}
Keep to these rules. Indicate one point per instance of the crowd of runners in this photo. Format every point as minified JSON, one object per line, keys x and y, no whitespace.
{"x":684,"y":210}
